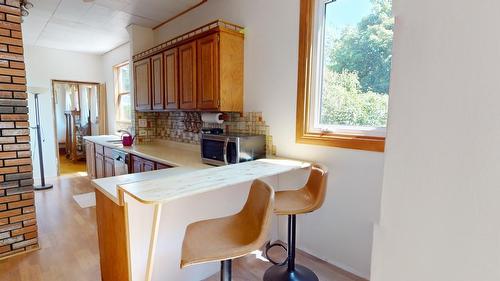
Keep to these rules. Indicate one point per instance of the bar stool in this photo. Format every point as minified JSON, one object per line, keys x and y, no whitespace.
{"x":294,"y":202}
{"x":223,"y":239}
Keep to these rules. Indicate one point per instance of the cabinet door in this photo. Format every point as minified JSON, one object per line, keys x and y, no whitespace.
{"x":109,"y":167}
{"x":187,"y":76}
{"x":136,"y":164}
{"x":99,"y":166}
{"x":160,"y":166}
{"x":208,"y":72}
{"x":157,"y":81}
{"x":171,"y":77}
{"x":90,"y":159}
{"x":148,"y":165}
{"x":142,"y":84}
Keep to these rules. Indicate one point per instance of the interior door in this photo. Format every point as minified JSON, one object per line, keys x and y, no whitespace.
{"x":171,"y":79}
{"x":187,"y":75}
{"x":208,"y":72}
{"x":157,"y":81}
{"x":142,"y":84}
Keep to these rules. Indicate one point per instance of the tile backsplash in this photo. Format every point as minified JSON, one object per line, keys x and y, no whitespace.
{"x":185,"y":127}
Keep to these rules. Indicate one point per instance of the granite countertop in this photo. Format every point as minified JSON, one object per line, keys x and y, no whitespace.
{"x":165,"y":189}
{"x":166,"y":152}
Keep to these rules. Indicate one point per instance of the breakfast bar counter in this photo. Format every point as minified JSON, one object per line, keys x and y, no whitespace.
{"x":158,"y":208}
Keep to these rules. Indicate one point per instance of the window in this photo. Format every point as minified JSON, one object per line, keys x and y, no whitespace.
{"x":124,"y":104}
{"x":345,"y":54}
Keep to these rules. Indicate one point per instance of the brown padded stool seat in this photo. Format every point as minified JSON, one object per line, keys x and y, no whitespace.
{"x":294,"y":202}
{"x":304,"y":200}
{"x":223,"y":239}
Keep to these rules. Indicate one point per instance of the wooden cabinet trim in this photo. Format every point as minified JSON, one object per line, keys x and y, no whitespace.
{"x":187,"y":76}
{"x":171,"y":78}
{"x":139,"y":96}
{"x":157,"y":82}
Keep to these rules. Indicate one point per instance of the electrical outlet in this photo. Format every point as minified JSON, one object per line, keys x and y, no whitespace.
{"x":143,"y":123}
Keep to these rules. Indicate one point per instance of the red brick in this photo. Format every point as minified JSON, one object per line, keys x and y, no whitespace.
{"x":12,"y":198}
{"x":25,"y":243}
{"x":10,"y":10}
{"x":7,"y":155}
{"x":2,"y":16}
{"x":20,"y":95}
{"x":23,"y":139}
{"x":23,"y":230}
{"x":16,"y":64}
{"x":19,"y":80}
{"x":4,"y":249}
{"x":12,"y":87}
{"x":16,"y":147}
{"x":7,"y":125}
{"x":29,"y":195}
{"x":17,"y":162}
{"x":17,"y":34}
{"x":24,"y":154}
{"x":31,"y":235}
{"x":9,"y":56}
{"x":8,"y":170}
{"x":10,"y":213}
{"x":29,"y":209}
{"x":21,"y":217}
{"x":12,"y":18}
{"x":4,"y":32}
{"x":29,"y":222}
{"x":4,"y":140}
{"x":14,"y":72}
{"x":4,"y":221}
{"x":26,"y":168}
{"x":22,"y":124}
{"x":14,"y":117}
{"x":5,"y":79}
{"x":3,"y":207}
{"x":10,"y":25}
{"x":15,"y":3}
{"x":5,"y":94}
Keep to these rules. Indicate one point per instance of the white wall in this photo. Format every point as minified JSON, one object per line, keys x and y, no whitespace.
{"x":440,"y":200}
{"x":340,"y":232}
{"x":109,"y":60}
{"x":43,"y":65}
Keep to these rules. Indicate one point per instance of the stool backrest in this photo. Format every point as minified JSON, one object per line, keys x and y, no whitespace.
{"x":316,"y":185}
{"x":257,"y":212}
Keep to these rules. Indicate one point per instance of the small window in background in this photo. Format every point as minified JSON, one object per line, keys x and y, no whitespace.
{"x":354,"y":47}
{"x":124,"y":107}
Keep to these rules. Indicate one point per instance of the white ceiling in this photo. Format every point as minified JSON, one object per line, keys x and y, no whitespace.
{"x":93,"y":27}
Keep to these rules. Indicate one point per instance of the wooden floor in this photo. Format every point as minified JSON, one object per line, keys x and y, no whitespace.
{"x":67,"y":166}
{"x":69,"y":250}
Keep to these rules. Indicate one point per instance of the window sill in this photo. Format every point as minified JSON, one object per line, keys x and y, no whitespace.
{"x":367,"y":143}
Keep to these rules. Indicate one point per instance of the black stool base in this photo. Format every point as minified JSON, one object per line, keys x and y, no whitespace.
{"x":281,"y":273}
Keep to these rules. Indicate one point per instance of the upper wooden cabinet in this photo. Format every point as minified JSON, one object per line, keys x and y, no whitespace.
{"x":202,"y":72}
{"x":171,"y":75}
{"x":187,"y":75}
{"x":208,"y":72}
{"x":157,"y":82}
{"x":142,"y":84}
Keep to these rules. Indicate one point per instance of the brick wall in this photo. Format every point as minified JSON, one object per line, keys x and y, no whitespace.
{"x":18,"y":229}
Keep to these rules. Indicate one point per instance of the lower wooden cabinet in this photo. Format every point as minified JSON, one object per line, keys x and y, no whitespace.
{"x":101,"y":164}
{"x":90,"y":159}
{"x":140,"y":165}
{"x":109,"y":167}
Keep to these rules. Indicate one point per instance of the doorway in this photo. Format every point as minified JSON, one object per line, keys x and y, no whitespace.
{"x":76,"y":115}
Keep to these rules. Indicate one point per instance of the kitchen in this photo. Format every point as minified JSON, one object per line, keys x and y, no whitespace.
{"x":249,"y":140}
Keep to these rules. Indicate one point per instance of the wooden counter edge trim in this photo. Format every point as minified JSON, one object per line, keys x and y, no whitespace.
{"x":107,"y":194}
{"x":153,"y":240}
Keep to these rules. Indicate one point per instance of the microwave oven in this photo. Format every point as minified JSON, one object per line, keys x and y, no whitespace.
{"x":228,"y":149}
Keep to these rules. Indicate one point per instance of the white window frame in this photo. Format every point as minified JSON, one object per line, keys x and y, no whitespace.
{"x":317,"y":84}
{"x":118,"y":94}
